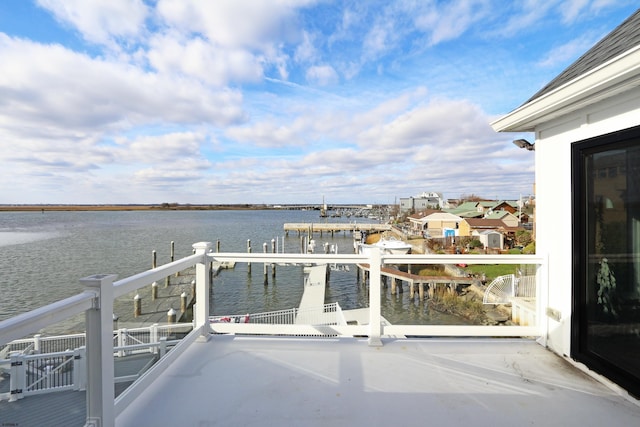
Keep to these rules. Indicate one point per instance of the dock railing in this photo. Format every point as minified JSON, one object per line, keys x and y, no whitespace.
{"x":97,"y":304}
{"x":328,"y":314}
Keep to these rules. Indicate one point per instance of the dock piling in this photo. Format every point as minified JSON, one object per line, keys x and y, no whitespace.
{"x":249,"y":251}
{"x":137,"y":306}
{"x":265,"y":266}
{"x":273,"y":266}
{"x":183,"y":302}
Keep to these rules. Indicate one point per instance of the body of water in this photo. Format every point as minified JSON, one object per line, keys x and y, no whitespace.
{"x":43,"y":256}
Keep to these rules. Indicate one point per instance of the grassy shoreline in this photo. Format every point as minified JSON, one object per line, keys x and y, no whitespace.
{"x":160,"y":207}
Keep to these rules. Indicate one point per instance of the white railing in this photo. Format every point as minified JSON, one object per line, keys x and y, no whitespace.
{"x":39,"y":344}
{"x":97,"y":304}
{"x":503,"y":289}
{"x":328,"y":314}
{"x":526,"y":287}
{"x":34,"y":369}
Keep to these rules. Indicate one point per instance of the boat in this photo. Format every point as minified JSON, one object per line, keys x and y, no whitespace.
{"x":387,"y":246}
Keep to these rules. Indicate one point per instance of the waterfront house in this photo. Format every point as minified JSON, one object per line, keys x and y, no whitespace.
{"x":586,"y":124}
{"x":441,"y":224}
{"x":417,"y":221}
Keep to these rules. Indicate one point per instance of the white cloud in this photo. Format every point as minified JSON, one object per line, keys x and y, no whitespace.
{"x":100,"y":21}
{"x":568,"y":52}
{"x":521,"y":20}
{"x":63,"y":89}
{"x":199,"y":59}
{"x":306,"y":52}
{"x":451,"y":20}
{"x":570,"y":9}
{"x":266,"y":134}
{"x":251,"y":24}
{"x":322,"y":75}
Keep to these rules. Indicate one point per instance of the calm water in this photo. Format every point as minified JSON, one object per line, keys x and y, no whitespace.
{"x":43,"y":256}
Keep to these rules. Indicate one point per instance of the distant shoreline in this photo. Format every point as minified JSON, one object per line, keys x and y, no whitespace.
{"x":161,"y":207}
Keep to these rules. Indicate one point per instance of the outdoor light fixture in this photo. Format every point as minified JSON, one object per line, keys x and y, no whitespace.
{"x":523,"y":143}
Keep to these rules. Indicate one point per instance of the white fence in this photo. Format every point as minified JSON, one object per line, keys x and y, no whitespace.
{"x":97,"y":304}
{"x":503,"y":289}
{"x":329,"y":314}
{"x":38,"y":365}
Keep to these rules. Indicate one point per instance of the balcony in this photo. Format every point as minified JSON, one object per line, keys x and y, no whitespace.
{"x":317,"y":368}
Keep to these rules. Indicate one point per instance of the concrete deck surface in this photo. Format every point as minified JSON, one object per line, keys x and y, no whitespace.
{"x":260,"y":381}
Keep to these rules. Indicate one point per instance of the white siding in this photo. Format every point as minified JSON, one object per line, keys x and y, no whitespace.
{"x":553,"y":195}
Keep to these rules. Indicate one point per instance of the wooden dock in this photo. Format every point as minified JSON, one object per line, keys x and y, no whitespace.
{"x":422,"y":285}
{"x":333,"y":227}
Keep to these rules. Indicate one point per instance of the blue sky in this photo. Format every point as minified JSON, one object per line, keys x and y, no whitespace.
{"x":280,"y":101}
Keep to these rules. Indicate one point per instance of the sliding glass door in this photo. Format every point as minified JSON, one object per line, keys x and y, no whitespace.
{"x":606,"y":247}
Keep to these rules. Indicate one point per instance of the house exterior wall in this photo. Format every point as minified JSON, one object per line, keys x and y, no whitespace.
{"x":436,"y":227}
{"x":464,"y":229}
{"x":553,"y":195}
{"x":510,"y":220}
{"x":406,"y":204}
{"x":417,"y":225}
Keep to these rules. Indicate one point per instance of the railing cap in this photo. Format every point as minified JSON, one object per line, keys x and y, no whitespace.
{"x":98,"y":280}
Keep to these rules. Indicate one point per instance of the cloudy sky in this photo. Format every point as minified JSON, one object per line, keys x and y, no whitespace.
{"x":276,"y":101}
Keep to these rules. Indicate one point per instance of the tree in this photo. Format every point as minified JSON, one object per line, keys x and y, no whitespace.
{"x":471,"y":198}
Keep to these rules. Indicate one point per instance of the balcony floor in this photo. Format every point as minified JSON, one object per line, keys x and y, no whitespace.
{"x":234,"y":380}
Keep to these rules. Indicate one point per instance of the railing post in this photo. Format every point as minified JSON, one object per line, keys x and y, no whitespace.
{"x":79,"y":369}
{"x":163,"y":347}
{"x":37,"y":343}
{"x":18,"y":380}
{"x":201,"y":309}
{"x":100,"y":372}
{"x":153,"y":337}
{"x":375,"y":304}
{"x":122,"y":341}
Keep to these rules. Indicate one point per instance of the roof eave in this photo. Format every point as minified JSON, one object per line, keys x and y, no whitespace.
{"x":615,"y":76}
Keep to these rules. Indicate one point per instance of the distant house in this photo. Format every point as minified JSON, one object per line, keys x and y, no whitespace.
{"x":422,"y":202}
{"x":475,"y":226}
{"x":506,"y":217}
{"x":441,"y":224}
{"x":491,"y":205}
{"x":586,"y":124}
{"x":467,"y":210}
{"x":417,"y":222}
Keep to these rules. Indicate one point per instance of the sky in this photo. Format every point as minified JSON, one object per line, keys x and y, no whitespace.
{"x":276,"y":101}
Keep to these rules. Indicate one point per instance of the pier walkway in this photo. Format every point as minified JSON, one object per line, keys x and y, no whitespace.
{"x":332,"y":227}
{"x":312,"y":302}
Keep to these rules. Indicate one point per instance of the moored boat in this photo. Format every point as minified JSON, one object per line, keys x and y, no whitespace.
{"x":387,"y":246}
